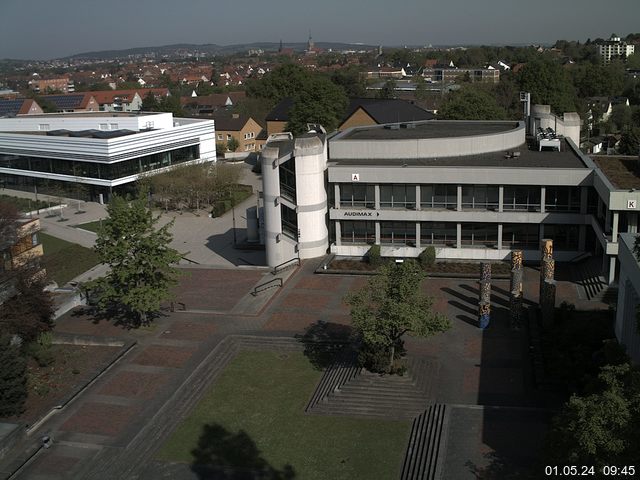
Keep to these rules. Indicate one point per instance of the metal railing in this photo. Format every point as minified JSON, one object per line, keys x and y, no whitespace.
{"x":274,"y":282}
{"x":284,"y":265}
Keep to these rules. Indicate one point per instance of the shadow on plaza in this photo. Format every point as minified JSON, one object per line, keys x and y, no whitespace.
{"x":512,"y":433}
{"x":326,"y":343}
{"x":223,"y":455}
{"x":117,"y":317}
{"x":232,"y":245}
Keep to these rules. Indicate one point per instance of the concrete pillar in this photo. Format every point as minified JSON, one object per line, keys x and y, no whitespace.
{"x":338,"y":233}
{"x":612,"y":269}
{"x":632,"y":222}
{"x":377,"y":233}
{"x":543,"y":198}
{"x":336,"y":194}
{"x":376,"y":190}
{"x":272,"y":217}
{"x":499,"y":236}
{"x":582,"y":237}
{"x":417,"y":234}
{"x":418,"y":201}
{"x":459,"y":198}
{"x":458,"y":235}
{"x":614,"y":230}
{"x":584,"y":199}
{"x":501,"y":198}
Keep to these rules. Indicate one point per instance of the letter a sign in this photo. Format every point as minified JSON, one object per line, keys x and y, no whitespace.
{"x":355,"y":177}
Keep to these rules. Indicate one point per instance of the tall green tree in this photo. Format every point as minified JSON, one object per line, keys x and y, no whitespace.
{"x":13,"y":378}
{"x":602,"y":428}
{"x":232,"y":144}
{"x":390,"y":306}
{"x":471,"y":103}
{"x":388,"y":90}
{"x":287,"y":80}
{"x":141,"y":262}
{"x":548,"y":84}
{"x":149,"y":103}
{"x":320,"y":102}
{"x":630,"y":142}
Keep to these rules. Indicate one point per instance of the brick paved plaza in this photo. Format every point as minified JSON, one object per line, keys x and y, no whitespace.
{"x":484,"y":376}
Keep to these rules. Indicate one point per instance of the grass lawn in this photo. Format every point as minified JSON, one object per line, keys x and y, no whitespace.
{"x":65,"y":260}
{"x":24,"y":204}
{"x":91,"y":226}
{"x":253,"y":416}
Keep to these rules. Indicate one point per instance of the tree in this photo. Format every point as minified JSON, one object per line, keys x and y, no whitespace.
{"x":320,"y":102}
{"x":548,"y":84}
{"x":471,"y":103}
{"x":149,"y":103}
{"x":13,"y":378}
{"x":141,"y":271}
{"x":601,"y":428}
{"x":287,"y":80}
{"x":621,"y":117}
{"x":388,"y":90}
{"x":232,"y":144}
{"x":351,"y":80}
{"x":30,"y":311}
{"x":421,"y":93}
{"x":630,"y":142}
{"x":390,"y":306}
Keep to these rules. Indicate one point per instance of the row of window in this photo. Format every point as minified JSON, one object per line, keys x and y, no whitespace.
{"x":523,"y":236}
{"x":103,"y":171}
{"x":474,"y":197}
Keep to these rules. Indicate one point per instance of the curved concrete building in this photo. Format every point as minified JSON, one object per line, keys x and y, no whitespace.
{"x":295,"y":198}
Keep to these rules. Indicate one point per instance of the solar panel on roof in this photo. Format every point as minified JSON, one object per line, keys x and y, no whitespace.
{"x":10,"y":107}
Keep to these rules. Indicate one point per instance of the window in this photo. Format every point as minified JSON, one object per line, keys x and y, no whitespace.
{"x":562,"y":199}
{"x":398,"y":196}
{"x":398,"y":233}
{"x":565,"y":237}
{"x":480,"y":197}
{"x":289,"y":222}
{"x":43,"y":127}
{"x":357,"y":195}
{"x":103,"y":126}
{"x":520,"y":236}
{"x":522,"y":198}
{"x":360,"y":233}
{"x":439,"y":196}
{"x":437,"y":233}
{"x":219,"y":136}
{"x":288,"y":180}
{"x":228,"y":137}
{"x":480,"y":235}
{"x":113,"y":126}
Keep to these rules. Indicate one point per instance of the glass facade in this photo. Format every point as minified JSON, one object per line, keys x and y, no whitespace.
{"x":439,"y":196}
{"x":565,"y":237}
{"x":289,"y":222}
{"x":357,"y":195}
{"x":358,"y":233}
{"x":480,"y":197}
{"x":288,"y":180}
{"x":398,"y":196}
{"x":438,"y":233}
{"x":101,"y":171}
{"x":520,"y":236}
{"x":562,"y":199}
{"x":521,"y":198}
{"x":398,"y":233}
{"x":480,"y":235}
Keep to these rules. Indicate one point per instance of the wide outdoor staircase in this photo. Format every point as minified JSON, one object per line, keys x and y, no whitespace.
{"x":587,"y":276}
{"x":348,"y":390}
{"x":425,"y":445}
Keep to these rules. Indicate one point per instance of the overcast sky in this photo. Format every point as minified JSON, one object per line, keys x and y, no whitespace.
{"x":43,"y":29}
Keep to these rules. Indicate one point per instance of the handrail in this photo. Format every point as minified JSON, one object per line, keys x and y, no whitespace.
{"x":284,"y":265}
{"x":266,"y":285}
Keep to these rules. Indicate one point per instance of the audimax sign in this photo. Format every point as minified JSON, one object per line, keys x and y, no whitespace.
{"x":358,"y":213}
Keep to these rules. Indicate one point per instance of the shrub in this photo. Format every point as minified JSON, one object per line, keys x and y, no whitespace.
{"x":427,"y":257}
{"x":40,"y":350}
{"x":13,"y":378}
{"x":374,"y":258}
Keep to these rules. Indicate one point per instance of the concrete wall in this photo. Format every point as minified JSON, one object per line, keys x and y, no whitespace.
{"x":568,"y":125}
{"x":628,"y":298}
{"x":84,"y":121}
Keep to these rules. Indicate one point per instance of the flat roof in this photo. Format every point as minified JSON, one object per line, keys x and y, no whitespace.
{"x":428,"y":129}
{"x":529,"y":158}
{"x":89,"y":114}
{"x":622,"y":172}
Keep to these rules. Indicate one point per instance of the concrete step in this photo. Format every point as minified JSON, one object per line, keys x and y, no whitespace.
{"x":425,"y":445}
{"x":349,"y":392}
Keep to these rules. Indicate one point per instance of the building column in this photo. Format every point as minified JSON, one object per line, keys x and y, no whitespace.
{"x":376,"y":194}
{"x":338,"y":233}
{"x":417,"y":234}
{"x":612,"y":269}
{"x":499,"y":236}
{"x":418,"y":201}
{"x":543,"y":198}
{"x":584,"y":200}
{"x":336,"y":193}
{"x":614,"y":230}
{"x":501,"y":198}
{"x":632,"y":222}
{"x":458,"y":235}
{"x":582,"y":237}
{"x":377,"y":233}
{"x":459,"y":198}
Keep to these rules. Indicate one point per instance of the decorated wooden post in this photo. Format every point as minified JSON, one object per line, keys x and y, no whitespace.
{"x":547,"y":282}
{"x":515,"y":299}
{"x":484,"y":309}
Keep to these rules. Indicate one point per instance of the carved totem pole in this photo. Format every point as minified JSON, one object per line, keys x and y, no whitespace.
{"x":547,"y":282}
{"x":484,"y":309}
{"x":515,"y":298}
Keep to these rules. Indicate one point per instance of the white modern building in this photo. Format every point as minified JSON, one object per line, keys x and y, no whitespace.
{"x":614,"y":48}
{"x":473,"y":190}
{"x":106,"y":152}
{"x":626,"y":327}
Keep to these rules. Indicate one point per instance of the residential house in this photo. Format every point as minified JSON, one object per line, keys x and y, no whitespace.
{"x":42,"y":85}
{"x":118,"y":100}
{"x":208,"y":104}
{"x":233,"y":125}
{"x":19,"y":106}
{"x":614,"y":48}
{"x":73,"y":102}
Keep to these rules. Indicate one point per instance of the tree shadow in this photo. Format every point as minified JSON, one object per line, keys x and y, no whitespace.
{"x":326,"y":342}
{"x":116,"y":316}
{"x":223,"y":455}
